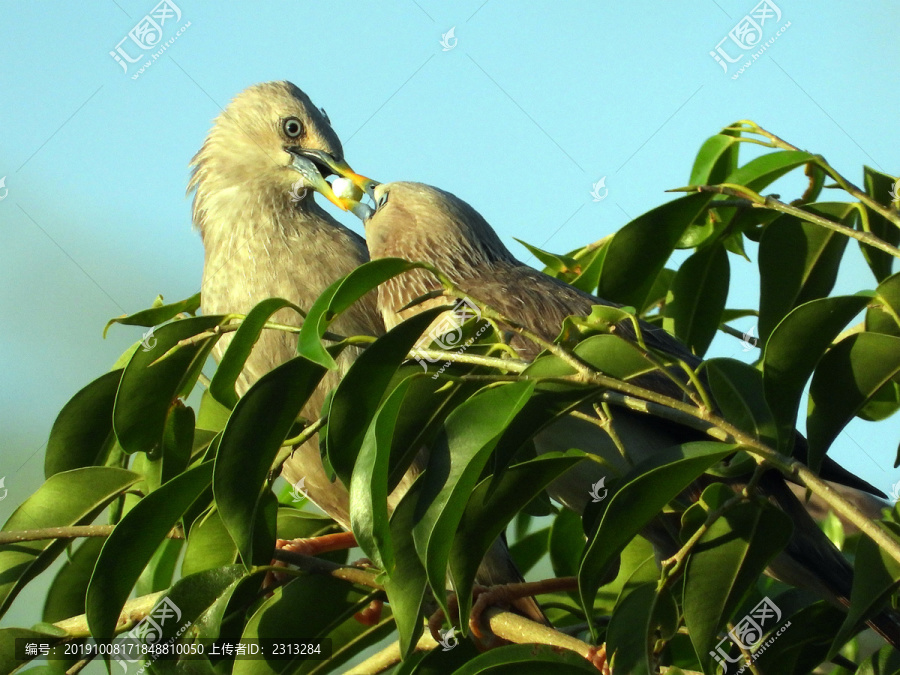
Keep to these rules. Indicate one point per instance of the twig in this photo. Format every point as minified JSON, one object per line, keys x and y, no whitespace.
{"x":133,"y":611}
{"x":437,"y":355}
{"x":311,"y":565}
{"x":390,"y":656}
{"x":820,"y":161}
{"x":758,"y":201}
{"x":68,"y":532}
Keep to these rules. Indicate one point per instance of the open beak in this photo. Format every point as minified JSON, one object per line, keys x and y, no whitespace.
{"x":339,"y":167}
{"x":310,"y":171}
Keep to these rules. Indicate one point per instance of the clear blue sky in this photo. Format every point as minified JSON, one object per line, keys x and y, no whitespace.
{"x":534,"y":103}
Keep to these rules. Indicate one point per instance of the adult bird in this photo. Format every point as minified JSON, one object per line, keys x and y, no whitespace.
{"x":264,"y":236}
{"x":422,"y":223}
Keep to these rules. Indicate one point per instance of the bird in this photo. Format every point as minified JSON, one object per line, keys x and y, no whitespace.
{"x":265,"y":236}
{"x":418,"y":222}
{"x":254,"y":181}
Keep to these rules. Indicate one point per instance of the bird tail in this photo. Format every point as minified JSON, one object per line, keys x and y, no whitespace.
{"x":811,"y":560}
{"x":498,"y":568}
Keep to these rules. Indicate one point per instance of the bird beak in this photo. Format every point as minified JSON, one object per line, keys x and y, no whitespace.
{"x":310,"y":171}
{"x":339,"y":167}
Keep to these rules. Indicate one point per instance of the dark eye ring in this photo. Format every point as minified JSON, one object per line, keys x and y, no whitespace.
{"x":292,"y":127}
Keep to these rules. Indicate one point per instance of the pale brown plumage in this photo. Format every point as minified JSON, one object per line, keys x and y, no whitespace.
{"x":264,"y":238}
{"x":422,"y":223}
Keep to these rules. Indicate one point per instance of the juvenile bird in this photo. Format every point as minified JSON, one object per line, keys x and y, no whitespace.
{"x":264,"y":236}
{"x":422,"y":223}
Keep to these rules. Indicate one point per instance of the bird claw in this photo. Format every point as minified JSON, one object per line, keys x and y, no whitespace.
{"x":485,"y":597}
{"x":371,"y":615}
{"x":597,"y":658}
{"x":310,"y":546}
{"x":313,"y":546}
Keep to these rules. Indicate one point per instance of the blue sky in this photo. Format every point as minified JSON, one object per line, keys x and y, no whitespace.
{"x":533,"y":103}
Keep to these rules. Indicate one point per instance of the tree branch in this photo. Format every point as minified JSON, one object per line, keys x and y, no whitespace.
{"x":68,"y":532}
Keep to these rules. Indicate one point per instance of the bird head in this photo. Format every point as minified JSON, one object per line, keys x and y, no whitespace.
{"x":272,"y":144}
{"x":420,"y":222}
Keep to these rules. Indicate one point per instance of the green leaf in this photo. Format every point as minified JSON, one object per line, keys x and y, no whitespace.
{"x":591,"y":265}
{"x":726,"y":563}
{"x":805,"y":645}
{"x":697,"y":298}
{"x":160,"y":571}
{"x":307,"y":608}
{"x":178,"y":441}
{"x":528,"y":658}
{"x":221,"y":387}
{"x":793,"y":350}
{"x":759,"y":173}
{"x":132,"y":544}
{"x":883,"y":315}
{"x":157,"y":314}
{"x":738,"y":390}
{"x":212,"y":415}
{"x":716,"y":159}
{"x":198,"y":595}
{"x":149,"y":388}
{"x":362,"y":388}
{"x":73,"y":497}
{"x":338,"y":297}
{"x":798,"y":262}
{"x":877,"y":577}
{"x":847,"y":377}
{"x":82,"y":432}
{"x":553,"y":262}
{"x":369,"y":482}
{"x":878,"y":186}
{"x":488,"y":512}
{"x":638,"y":252}
{"x":645,"y":490}
{"x":208,"y":545}
{"x":633,"y":625}
{"x":886,"y":661}
{"x":454,"y":464}
{"x":261,"y":420}
{"x":66,"y":595}
{"x":405,"y":588}
{"x":566,"y":543}
{"x":8,"y":637}
{"x":528,"y":550}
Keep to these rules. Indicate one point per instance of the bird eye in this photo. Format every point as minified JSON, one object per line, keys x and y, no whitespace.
{"x":292,"y":127}
{"x":382,"y":200}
